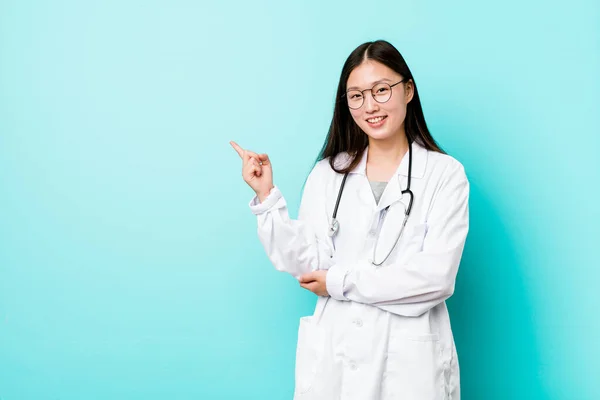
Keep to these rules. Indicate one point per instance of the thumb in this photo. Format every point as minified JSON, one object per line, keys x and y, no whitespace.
{"x":264,"y":159}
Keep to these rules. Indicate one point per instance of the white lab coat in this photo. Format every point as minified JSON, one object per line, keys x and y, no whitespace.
{"x":384,"y":332}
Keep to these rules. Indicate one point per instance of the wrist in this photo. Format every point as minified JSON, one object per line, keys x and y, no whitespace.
{"x":263,"y":195}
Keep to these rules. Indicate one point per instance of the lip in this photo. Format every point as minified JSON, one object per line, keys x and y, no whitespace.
{"x":377,"y":124}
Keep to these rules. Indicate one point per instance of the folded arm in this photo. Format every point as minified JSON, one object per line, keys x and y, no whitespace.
{"x":428,"y":278}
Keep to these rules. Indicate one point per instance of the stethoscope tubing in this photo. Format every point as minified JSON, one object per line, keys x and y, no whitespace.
{"x":334,"y":225}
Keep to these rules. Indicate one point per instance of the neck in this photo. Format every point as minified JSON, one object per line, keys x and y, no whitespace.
{"x":387,"y":152}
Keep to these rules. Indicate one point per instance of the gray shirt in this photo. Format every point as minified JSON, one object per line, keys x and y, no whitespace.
{"x":377,"y":188}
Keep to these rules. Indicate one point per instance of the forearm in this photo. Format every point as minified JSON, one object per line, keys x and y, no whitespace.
{"x":408,"y":289}
{"x":291,"y":245}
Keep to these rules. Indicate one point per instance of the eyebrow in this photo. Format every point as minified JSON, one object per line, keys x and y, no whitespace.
{"x":372,"y":84}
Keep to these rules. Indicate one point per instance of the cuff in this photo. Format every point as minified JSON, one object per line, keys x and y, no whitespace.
{"x":259,"y":208}
{"x":335,"y":282}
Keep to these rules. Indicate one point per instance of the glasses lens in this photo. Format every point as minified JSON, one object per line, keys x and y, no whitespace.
{"x":382,"y":92}
{"x":355,"y":99}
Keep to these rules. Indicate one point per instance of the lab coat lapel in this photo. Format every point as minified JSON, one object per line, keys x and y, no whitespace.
{"x":363,"y":190}
{"x":398,"y":182}
{"x":392,"y":192}
{"x":365,"y":193}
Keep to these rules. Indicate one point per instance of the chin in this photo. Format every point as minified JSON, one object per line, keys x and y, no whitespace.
{"x":377,"y":135}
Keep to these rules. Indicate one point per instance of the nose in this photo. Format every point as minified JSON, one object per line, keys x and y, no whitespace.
{"x":370,"y":104}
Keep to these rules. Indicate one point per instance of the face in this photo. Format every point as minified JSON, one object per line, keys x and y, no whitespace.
{"x":380,"y":121}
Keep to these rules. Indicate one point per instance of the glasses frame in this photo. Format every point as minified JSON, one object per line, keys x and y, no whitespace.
{"x":345,"y":95}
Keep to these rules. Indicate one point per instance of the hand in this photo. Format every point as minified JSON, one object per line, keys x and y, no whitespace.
{"x":315,"y":282}
{"x":256,"y":171}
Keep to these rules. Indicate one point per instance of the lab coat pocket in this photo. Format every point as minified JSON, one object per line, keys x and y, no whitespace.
{"x":326,"y":253}
{"x":414,"y":368}
{"x":411,"y":243}
{"x":416,"y":236}
{"x":309,"y":353}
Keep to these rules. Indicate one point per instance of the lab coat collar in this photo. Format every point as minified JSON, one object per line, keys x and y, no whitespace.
{"x":393,"y":190}
{"x":418,"y":166}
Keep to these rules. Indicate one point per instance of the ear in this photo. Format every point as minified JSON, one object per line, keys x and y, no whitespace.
{"x":409,"y":91}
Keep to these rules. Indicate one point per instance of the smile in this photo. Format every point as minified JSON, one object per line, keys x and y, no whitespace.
{"x":375,"y":120}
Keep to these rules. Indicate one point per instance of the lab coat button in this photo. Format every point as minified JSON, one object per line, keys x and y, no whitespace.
{"x":353,"y":367}
{"x":358,"y":323}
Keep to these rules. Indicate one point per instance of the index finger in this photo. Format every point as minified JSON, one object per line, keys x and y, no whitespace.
{"x":308,"y":277}
{"x":237,"y":148}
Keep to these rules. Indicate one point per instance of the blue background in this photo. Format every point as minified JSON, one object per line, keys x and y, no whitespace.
{"x":129,"y":262}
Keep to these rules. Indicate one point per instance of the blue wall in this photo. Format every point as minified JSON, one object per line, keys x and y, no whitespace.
{"x":129,"y":264}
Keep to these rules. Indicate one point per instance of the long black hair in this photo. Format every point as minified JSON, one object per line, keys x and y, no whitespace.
{"x":344,"y":135}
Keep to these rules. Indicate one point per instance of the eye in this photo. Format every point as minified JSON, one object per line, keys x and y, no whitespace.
{"x":381,"y":90}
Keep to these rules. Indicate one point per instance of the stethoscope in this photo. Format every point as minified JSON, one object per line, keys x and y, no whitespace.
{"x":334,"y":226}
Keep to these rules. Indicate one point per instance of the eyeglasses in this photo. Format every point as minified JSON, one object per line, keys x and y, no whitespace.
{"x":381,"y":93}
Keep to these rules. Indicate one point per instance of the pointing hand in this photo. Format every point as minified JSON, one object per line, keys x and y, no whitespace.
{"x":256,"y":171}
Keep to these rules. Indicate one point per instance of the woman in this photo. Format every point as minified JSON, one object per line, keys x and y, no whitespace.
{"x":384,"y":260}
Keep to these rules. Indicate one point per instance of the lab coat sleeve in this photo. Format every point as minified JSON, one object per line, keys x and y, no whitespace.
{"x":428,"y":278}
{"x":296,"y":246}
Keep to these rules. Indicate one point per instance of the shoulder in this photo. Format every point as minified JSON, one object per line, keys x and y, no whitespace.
{"x":445,"y":167}
{"x":322,"y":175}
{"x":323,"y":169}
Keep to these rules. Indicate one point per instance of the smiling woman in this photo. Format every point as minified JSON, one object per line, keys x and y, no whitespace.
{"x":385,"y":264}
{"x":128,"y":256}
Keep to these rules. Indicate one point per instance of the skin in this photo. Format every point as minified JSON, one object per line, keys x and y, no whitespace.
{"x":387,"y":143}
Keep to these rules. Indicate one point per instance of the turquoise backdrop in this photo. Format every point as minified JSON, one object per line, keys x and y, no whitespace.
{"x":129,"y":262}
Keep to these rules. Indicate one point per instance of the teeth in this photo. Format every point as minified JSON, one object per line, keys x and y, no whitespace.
{"x":375,"y":120}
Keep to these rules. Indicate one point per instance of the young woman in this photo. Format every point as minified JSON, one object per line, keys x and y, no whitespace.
{"x":379,"y":237}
